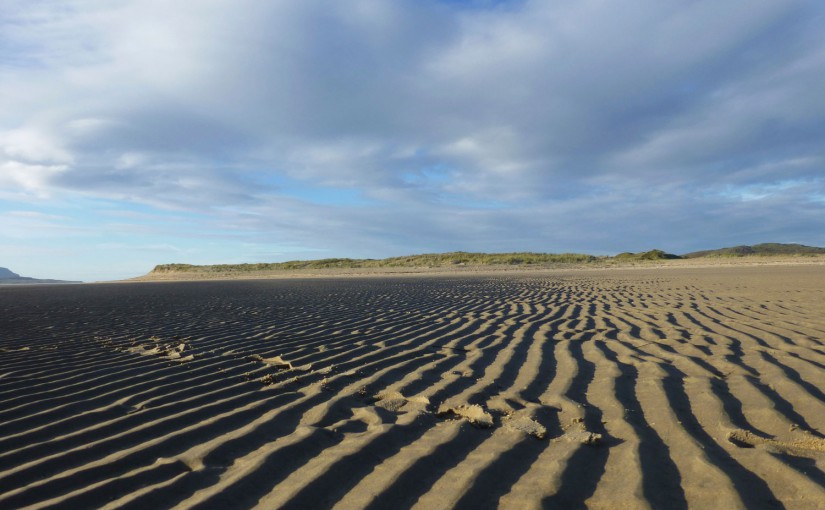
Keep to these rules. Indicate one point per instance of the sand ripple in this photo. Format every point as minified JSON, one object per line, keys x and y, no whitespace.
{"x":606,"y":389}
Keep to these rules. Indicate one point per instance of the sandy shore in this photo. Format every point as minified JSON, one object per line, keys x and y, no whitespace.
{"x":645,"y":387}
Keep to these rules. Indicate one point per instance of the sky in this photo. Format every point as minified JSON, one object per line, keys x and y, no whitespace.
{"x":142,"y":132}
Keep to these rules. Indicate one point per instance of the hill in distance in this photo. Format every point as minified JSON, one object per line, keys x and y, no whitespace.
{"x":760,"y":250}
{"x":8,"y":277}
{"x":6,"y":274}
{"x":430,"y":260}
{"x":647,"y":255}
{"x":461,"y":258}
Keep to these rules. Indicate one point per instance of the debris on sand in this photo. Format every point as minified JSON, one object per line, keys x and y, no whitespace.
{"x":275,"y":361}
{"x":170,"y":351}
{"x":473,"y":413}
{"x":576,"y":432}
{"x":526,"y":425}
{"x":280,"y":363}
{"x":804,"y":446}
{"x":397,"y":403}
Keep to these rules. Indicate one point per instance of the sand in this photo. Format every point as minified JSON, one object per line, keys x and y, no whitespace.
{"x":613,"y":388}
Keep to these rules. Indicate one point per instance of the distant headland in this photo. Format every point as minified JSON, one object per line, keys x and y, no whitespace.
{"x":8,"y":277}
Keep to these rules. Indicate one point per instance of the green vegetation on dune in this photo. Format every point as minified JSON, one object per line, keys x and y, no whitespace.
{"x":482,"y":259}
{"x":647,"y":255}
{"x":761,"y":250}
{"x":427,"y":260}
{"x":460,"y":258}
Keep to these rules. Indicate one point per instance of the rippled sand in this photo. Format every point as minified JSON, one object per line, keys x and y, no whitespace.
{"x":636,"y":388}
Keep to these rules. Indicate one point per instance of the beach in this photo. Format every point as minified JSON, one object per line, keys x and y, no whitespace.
{"x":697,"y":386}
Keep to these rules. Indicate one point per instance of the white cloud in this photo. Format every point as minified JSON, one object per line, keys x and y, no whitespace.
{"x":20,"y":180}
{"x":27,"y":225}
{"x":32,"y":145}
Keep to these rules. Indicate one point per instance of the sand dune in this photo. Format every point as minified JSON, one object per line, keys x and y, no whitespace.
{"x":646,"y":388}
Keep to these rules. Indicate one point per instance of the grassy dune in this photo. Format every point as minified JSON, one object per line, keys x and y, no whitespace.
{"x":760,"y":250}
{"x":431,"y":260}
{"x":465,"y":259}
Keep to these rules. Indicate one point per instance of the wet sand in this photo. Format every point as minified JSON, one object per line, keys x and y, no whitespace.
{"x":612,"y":388}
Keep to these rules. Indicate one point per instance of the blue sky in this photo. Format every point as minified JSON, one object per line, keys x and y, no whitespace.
{"x":139,"y":132}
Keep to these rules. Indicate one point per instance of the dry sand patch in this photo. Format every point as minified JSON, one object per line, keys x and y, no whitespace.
{"x":611,"y":388}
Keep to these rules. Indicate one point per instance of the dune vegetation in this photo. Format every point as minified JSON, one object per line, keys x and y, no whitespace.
{"x":760,"y":250}
{"x":426,"y":260}
{"x":462,"y":259}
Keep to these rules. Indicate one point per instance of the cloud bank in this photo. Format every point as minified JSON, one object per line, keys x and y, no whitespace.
{"x":372,"y":128}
